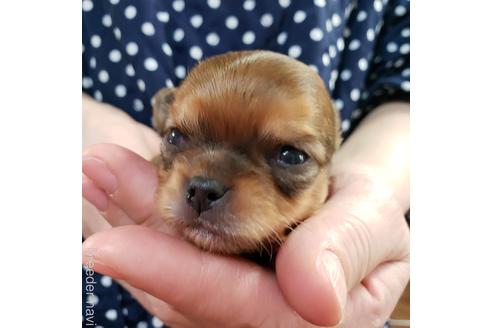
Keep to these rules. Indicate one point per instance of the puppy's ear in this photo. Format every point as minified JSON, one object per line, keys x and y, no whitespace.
{"x":163,"y":100}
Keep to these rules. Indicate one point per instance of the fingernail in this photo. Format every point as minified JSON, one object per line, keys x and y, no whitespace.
{"x":99,"y":172}
{"x":94,"y":195}
{"x":333,"y":268}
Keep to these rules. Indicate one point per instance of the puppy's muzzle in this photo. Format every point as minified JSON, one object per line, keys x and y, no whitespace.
{"x":202,"y":193}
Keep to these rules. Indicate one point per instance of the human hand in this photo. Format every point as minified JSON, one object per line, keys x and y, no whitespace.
{"x":105,"y":123}
{"x":347,"y":263}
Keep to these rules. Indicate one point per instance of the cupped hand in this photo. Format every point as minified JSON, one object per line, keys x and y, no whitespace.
{"x":345,"y":266}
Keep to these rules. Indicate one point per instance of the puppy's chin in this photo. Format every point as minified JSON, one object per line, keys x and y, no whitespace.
{"x":220,"y":231}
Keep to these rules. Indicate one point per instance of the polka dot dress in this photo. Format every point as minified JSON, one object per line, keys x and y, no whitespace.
{"x":361,"y":50}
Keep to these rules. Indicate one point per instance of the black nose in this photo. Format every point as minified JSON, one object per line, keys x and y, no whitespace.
{"x":203,"y":193}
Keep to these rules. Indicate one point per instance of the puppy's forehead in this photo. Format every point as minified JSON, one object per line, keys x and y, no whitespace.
{"x":242,"y":96}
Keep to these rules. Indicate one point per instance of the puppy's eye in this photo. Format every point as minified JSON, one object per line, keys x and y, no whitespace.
{"x":289,"y":155}
{"x":175,"y":137}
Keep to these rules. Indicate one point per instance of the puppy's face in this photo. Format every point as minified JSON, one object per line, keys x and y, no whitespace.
{"x":247,"y":141}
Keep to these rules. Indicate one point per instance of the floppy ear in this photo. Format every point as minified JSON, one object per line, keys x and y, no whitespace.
{"x":163,"y":100}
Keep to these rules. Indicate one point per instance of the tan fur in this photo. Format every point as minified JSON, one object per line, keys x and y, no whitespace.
{"x":236,"y":110}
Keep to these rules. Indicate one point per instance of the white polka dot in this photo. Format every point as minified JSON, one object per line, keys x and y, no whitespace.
{"x":148,"y":29}
{"x":138,"y":105}
{"x":281,"y":38}
{"x":162,"y":16}
{"x":196,"y":21}
{"x":400,"y":10}
{"x":299,"y":16}
{"x":178,"y":5}
{"x":340,"y":44}
{"x":284,"y":3}
{"x":87,"y":5}
{"x":130,"y":71}
{"x":178,"y":34}
{"x":370,"y":34}
{"x":266,"y":20}
{"x":378,"y":27}
{"x":354,"y":44}
{"x":96,"y":41}
{"x":328,"y":25}
{"x":332,"y":50}
{"x":249,"y":37}
{"x":103,"y":76}
{"x":214,"y":4}
{"x":249,"y":5}
{"x":167,"y":49}
{"x":92,"y":299}
{"x":92,"y":62}
{"x":157,"y":323}
{"x":345,"y":125}
{"x":314,"y":68}
{"x":124,"y":311}
{"x":316,"y":34}
{"x":339,"y":104}
{"x":336,"y":20}
{"x":405,"y":49}
{"x":131,"y":48}
{"x":141,"y":85}
{"x":334,"y":75}
{"x":120,"y":90}
{"x":107,"y":21}
{"x":295,"y":51}
{"x":355,"y":94}
{"x":377,"y":59}
{"x":378,"y":5}
{"x":150,"y":64}
{"x":111,"y":314}
{"x":356,"y":113}
{"x":114,"y":2}
{"x":180,"y":71}
{"x":361,"y":16}
{"x":347,"y":32}
{"x":106,"y":281}
{"x":213,"y":39}
{"x":130,"y":12}
{"x":98,"y":95}
{"x":117,"y":33}
{"x":169,"y":83}
{"x":142,"y":324}
{"x":346,"y":75}
{"x":325,"y":59}
{"x":114,"y":55}
{"x":391,"y":47}
{"x":399,"y":62}
{"x":363,"y":64}
{"x":405,"y":32}
{"x":405,"y":85}
{"x":406,"y":72}
{"x":320,"y":3}
{"x":231,"y":22}
{"x":196,"y":52}
{"x":87,"y":82}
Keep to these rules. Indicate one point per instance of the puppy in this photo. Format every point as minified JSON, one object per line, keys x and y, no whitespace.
{"x":247,"y":143}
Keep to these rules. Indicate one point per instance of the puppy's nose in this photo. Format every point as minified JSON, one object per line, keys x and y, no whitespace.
{"x":203,"y":193}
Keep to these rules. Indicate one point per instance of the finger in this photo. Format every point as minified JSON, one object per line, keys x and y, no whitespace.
{"x":371,"y":302}
{"x":92,"y":221}
{"x":158,"y":308}
{"x":127,"y":178}
{"x":197,"y":284}
{"x":335,"y":249}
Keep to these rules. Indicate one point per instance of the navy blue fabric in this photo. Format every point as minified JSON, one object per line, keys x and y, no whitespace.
{"x":133,"y":48}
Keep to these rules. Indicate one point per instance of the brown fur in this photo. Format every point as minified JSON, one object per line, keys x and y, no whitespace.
{"x":236,"y":111}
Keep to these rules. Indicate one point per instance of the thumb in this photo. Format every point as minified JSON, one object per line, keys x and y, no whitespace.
{"x":330,"y":253}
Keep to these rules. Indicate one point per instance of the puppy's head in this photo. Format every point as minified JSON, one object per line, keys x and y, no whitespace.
{"x":247,"y":142}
